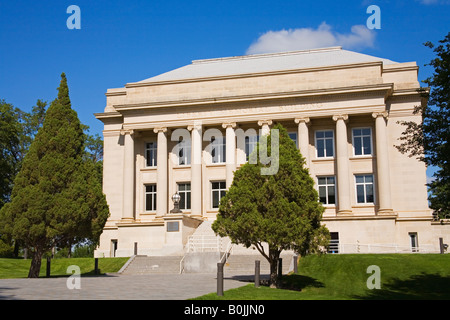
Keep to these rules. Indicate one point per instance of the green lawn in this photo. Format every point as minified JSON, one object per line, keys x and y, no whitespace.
{"x":331,"y":277}
{"x":18,"y":268}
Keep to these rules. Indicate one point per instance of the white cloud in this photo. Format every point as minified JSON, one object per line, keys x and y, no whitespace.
{"x":307,"y":38}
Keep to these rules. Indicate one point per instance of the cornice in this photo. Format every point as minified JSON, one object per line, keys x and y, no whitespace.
{"x":386,"y":87}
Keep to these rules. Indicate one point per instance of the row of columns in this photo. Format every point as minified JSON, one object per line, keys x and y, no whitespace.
{"x":342,"y":163}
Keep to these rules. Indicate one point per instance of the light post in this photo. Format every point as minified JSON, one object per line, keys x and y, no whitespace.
{"x":176,"y":203}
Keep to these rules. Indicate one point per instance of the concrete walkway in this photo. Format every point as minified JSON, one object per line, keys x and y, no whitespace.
{"x":116,"y":287}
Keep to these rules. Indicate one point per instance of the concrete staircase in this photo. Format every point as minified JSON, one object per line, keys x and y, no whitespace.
{"x":202,"y":253}
{"x":152,"y":265}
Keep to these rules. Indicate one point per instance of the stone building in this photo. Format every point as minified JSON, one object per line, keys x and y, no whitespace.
{"x":187,"y":130}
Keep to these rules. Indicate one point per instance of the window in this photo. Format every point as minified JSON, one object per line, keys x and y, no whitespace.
{"x":184,"y":190}
{"x":150,"y":154}
{"x":414,"y":242}
{"x":362,"y":141}
{"x":327,"y":190}
{"x":325,"y":143}
{"x":364,"y":189}
{"x":333,"y":246}
{"x":184,"y":152}
{"x":250,"y":145}
{"x":150,"y":197}
{"x":293,"y":136}
{"x":218,"y":151}
{"x":217,"y":192}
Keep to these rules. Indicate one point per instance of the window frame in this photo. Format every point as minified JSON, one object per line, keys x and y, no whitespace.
{"x":364,"y":184}
{"x":149,"y":149}
{"x":186,"y":194}
{"x":219,"y":190}
{"x":250,"y":141}
{"x":219,"y":148}
{"x":326,"y":189}
{"x":153,"y":194}
{"x":325,"y":149}
{"x":185,"y":147}
{"x":362,"y":144}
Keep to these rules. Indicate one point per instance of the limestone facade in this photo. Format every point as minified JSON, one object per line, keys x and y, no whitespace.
{"x":342,"y":108}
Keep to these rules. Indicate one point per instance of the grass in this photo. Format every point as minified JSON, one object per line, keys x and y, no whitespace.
{"x":18,"y":268}
{"x":344,"y":277}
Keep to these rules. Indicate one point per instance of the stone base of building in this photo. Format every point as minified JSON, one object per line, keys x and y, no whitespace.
{"x":174,"y":234}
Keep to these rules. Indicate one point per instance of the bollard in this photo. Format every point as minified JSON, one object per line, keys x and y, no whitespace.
{"x":96,"y":271}
{"x":135,"y":248}
{"x":280,"y":267}
{"x":441,"y":245}
{"x":48,"y":268}
{"x":295,"y":258}
{"x":257,"y":272}
{"x":220,"y":279}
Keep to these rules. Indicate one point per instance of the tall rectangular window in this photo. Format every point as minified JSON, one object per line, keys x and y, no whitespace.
{"x":293,"y":136}
{"x":327,"y":190}
{"x":184,"y":190}
{"x":184,"y":152}
{"x":250,"y":145}
{"x":364,"y":188}
{"x":150,"y":154}
{"x":218,"y":150}
{"x":218,"y":190}
{"x":362,"y":141}
{"x":325,"y":143}
{"x":150,"y":197}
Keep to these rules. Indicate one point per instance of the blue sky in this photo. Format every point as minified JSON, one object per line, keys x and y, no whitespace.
{"x":128,"y":41}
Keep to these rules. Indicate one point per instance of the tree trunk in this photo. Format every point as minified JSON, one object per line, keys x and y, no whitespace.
{"x":35,"y":267}
{"x":274,"y":256}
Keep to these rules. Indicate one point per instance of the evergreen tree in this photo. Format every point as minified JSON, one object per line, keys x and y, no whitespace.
{"x":429,"y":140}
{"x":57,"y":198}
{"x":275,"y":212}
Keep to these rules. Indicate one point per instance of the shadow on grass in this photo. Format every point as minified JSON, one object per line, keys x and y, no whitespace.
{"x":294,"y":282}
{"x":419,"y":287}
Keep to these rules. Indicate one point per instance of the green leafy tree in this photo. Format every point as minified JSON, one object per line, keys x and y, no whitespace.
{"x":429,"y":141}
{"x":57,"y":198}
{"x":274,"y":212}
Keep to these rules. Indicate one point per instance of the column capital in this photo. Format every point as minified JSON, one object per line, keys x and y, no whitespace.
{"x":229,"y":125}
{"x":126,"y":131}
{"x":384,"y":114}
{"x":264,"y":122}
{"x":302,"y":119}
{"x":160,"y":129}
{"x":196,"y":126}
{"x":337,"y":117}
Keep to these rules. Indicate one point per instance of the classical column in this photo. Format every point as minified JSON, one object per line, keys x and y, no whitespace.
{"x":343,"y":180}
{"x":265,"y":126}
{"x":230,"y":151}
{"x":196,"y":169}
{"x":128,"y":175}
{"x":303,"y":138}
{"x":383,"y":176}
{"x":161,"y":172}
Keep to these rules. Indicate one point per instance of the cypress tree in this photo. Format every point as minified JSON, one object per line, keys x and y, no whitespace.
{"x":57,"y":196}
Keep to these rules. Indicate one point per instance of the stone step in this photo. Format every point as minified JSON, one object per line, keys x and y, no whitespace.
{"x":153,"y":265}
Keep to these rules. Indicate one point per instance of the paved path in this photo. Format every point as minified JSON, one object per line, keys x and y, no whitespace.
{"x":115,"y":286}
